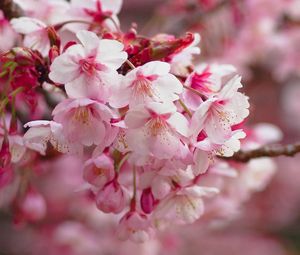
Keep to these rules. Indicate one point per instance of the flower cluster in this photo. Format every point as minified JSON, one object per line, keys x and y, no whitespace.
{"x":147,"y":122}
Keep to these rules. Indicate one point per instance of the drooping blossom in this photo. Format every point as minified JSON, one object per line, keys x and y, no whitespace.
{"x":99,"y":171}
{"x":83,"y":120}
{"x":135,"y":226}
{"x":183,"y":207}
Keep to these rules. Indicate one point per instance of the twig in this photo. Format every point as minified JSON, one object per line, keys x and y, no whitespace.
{"x":10,"y":9}
{"x":266,"y":151}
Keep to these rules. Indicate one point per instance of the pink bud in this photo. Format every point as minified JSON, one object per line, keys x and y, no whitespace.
{"x":147,"y":201}
{"x":33,"y":207}
{"x":99,"y":171}
{"x":5,"y":156}
{"x":53,"y":53}
{"x":112,"y":198}
{"x":135,"y":227}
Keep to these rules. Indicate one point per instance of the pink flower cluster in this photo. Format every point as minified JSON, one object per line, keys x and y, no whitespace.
{"x":146,"y":121}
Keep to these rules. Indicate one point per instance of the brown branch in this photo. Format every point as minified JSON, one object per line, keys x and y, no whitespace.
{"x":10,"y":9}
{"x":266,"y":151}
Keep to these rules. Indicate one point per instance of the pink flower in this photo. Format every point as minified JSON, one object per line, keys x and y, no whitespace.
{"x":95,"y":11}
{"x":99,"y":171}
{"x":150,"y":82}
{"x":35,"y":31}
{"x":184,"y":207}
{"x":207,"y":79}
{"x":89,"y":69}
{"x":83,"y":121}
{"x":227,"y":149}
{"x":135,"y":227}
{"x":216,"y":115}
{"x":147,"y":201}
{"x":41,"y":132}
{"x":51,"y":12}
{"x":112,"y":198}
{"x":155,"y":130}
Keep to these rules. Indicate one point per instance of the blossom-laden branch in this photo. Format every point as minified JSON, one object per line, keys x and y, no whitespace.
{"x":10,"y":9}
{"x":274,"y":150}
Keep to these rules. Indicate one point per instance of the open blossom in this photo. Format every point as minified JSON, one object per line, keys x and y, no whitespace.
{"x":183,"y":207}
{"x":135,"y":227}
{"x":51,"y":12}
{"x":215,"y":116}
{"x":155,"y":130}
{"x":35,"y":31}
{"x":207,"y":80}
{"x":83,"y":120}
{"x":41,"y":132}
{"x":102,"y":12}
{"x":99,"y":171}
{"x":150,"y":82}
{"x":227,"y":149}
{"x":89,"y":69}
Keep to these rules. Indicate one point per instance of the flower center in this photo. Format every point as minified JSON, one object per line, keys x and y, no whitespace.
{"x":88,"y":66}
{"x":142,"y":87}
{"x":82,"y":115}
{"x":157,"y":126}
{"x":98,"y":171}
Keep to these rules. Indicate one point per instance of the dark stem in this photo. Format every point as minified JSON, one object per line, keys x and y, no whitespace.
{"x":10,"y":9}
{"x":265,"y":151}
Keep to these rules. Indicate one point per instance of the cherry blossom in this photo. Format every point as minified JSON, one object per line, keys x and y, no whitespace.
{"x":155,"y":130}
{"x":216,"y":115}
{"x":98,"y":171}
{"x":136,"y":129}
{"x":89,"y":69}
{"x":112,"y":198}
{"x":135,"y":226}
{"x":35,"y":31}
{"x":94,"y":11}
{"x":147,"y":83}
{"x":83,"y":120}
{"x":186,"y":206}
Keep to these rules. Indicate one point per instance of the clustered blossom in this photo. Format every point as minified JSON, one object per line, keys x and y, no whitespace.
{"x":148,"y":125}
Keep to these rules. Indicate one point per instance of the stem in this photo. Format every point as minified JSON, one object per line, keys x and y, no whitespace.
{"x":133,"y":200}
{"x":115,"y":24}
{"x":6,"y":99}
{"x":123,"y":160}
{"x":186,"y":109}
{"x":265,"y":151}
{"x":130,"y":64}
{"x":193,"y":90}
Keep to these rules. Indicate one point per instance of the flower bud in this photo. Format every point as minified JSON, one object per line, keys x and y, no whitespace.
{"x":112,"y":198}
{"x":147,"y":201}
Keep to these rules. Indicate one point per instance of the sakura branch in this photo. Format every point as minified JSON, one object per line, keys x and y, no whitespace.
{"x":289,"y":150}
{"x":10,"y":9}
